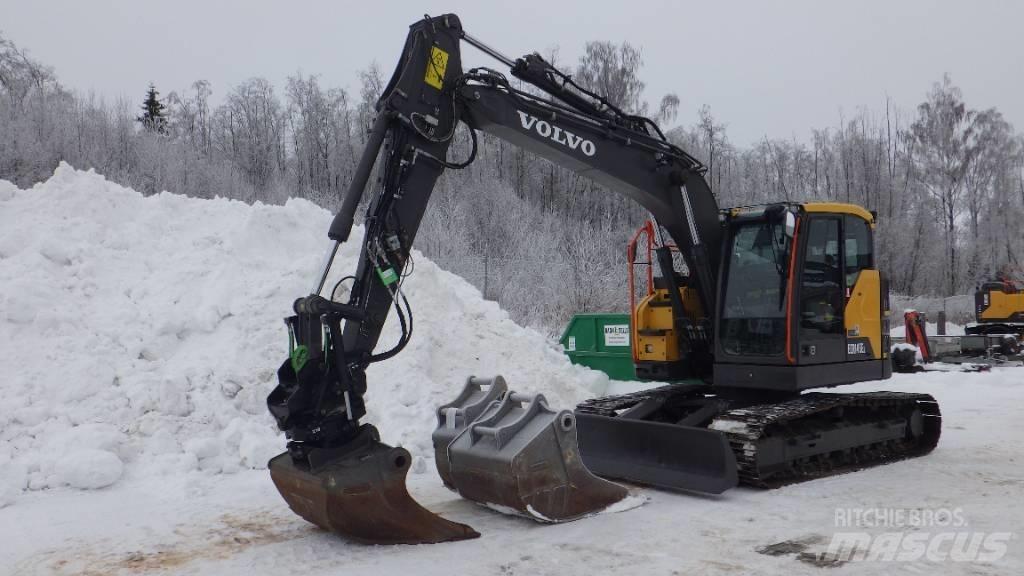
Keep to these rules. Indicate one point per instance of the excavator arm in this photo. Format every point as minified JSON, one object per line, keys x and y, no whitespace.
{"x":659,"y":176}
{"x":429,"y":95}
{"x":319,"y":399}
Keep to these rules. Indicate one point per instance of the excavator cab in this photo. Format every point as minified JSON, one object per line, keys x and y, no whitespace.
{"x":800,"y":296}
{"x":799,"y":292}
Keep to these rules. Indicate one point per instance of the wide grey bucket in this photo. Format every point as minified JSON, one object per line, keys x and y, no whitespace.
{"x":513,"y":451}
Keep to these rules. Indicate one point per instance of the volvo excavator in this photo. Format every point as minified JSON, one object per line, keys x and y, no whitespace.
{"x":998,"y":308}
{"x":761,"y":304}
{"x":994,"y":339}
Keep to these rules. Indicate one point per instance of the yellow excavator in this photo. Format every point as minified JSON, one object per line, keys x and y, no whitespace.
{"x":998,"y":308}
{"x":994,"y":339}
{"x":841,"y":302}
{"x":752,"y":307}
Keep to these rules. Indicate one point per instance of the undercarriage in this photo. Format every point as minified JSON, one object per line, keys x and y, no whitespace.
{"x":790,"y":438}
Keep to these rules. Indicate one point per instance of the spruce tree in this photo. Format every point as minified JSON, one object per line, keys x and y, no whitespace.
{"x":153,"y":117}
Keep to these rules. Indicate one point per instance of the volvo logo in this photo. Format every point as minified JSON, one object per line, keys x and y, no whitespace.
{"x":556,"y":133}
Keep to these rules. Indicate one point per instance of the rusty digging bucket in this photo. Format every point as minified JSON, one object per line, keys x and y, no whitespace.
{"x":512,"y":452}
{"x":362,"y":495}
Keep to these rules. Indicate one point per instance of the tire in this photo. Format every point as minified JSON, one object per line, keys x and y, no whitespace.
{"x":1009,"y":346}
{"x":904,"y":360}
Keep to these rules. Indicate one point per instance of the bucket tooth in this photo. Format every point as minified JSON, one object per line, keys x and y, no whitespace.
{"x":519,"y":454}
{"x":361,"y":495}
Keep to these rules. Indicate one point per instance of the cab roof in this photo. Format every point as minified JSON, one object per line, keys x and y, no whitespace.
{"x":839,"y":208}
{"x":813,"y":207}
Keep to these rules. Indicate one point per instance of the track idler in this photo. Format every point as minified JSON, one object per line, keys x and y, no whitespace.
{"x":511,"y":451}
{"x":361,"y":495}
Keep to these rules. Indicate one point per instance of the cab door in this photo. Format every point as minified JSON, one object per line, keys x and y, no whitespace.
{"x":862,"y":307}
{"x":821,"y":295}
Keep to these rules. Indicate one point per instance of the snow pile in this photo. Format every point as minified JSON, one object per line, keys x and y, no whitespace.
{"x":141,"y":335}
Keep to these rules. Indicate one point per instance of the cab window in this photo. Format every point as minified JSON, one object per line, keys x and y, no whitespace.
{"x":821,"y":291}
{"x":857,"y":248}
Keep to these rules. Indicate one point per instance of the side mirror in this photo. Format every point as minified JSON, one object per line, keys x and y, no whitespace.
{"x":790,"y":224}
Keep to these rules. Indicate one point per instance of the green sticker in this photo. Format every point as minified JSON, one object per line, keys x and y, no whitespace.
{"x":387,"y":276}
{"x":300,"y":355}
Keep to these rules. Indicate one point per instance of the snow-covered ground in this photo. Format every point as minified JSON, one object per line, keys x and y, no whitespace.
{"x":141,"y":335}
{"x":225,"y":524}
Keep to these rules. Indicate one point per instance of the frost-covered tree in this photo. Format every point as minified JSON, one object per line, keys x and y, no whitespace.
{"x":320,"y":125}
{"x":371,"y":84}
{"x":153,"y":117}
{"x":251,"y":131}
{"x":945,"y":135}
{"x":613,"y":72}
{"x":543,"y":240}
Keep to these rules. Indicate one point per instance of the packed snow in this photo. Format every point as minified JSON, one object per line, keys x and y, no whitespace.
{"x":142,"y":334}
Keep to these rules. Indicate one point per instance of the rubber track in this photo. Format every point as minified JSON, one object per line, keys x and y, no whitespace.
{"x":609,"y":405}
{"x":745,"y":427}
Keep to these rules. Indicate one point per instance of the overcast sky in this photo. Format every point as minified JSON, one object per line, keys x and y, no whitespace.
{"x":765,"y":68}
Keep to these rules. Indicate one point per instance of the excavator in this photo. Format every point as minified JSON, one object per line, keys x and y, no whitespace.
{"x":998,"y":308}
{"x":994,"y":339}
{"x":754,"y":306}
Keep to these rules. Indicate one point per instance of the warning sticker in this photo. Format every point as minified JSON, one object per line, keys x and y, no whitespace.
{"x":436,"y":67}
{"x":616,"y":335}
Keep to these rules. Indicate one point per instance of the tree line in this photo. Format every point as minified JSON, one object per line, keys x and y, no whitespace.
{"x":946,"y":180}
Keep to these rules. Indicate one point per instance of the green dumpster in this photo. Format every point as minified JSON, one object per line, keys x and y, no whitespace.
{"x":600,"y":341}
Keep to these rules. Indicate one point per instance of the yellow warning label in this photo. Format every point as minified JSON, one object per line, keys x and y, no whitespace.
{"x":436,"y":66}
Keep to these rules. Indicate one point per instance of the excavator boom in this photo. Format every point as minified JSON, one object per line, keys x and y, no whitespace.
{"x":511,"y":451}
